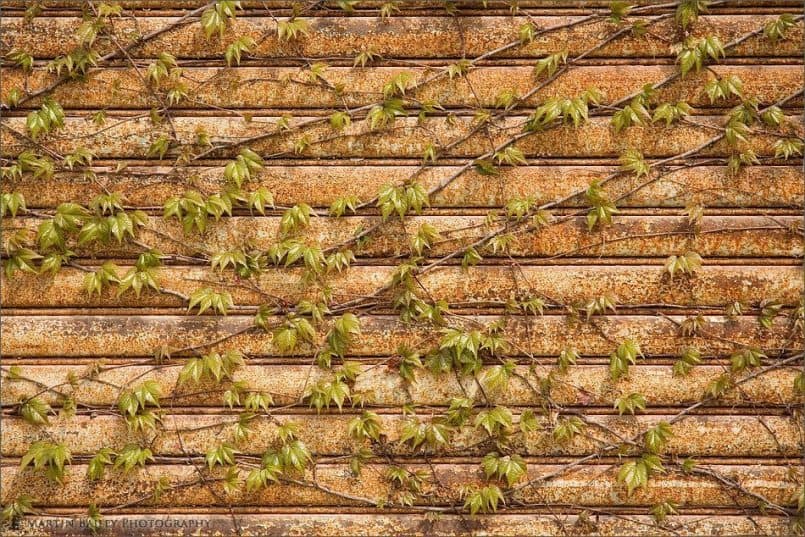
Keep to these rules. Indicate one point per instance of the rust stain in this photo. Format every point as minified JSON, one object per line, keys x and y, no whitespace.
{"x":91,"y":348}
{"x":319,"y":185}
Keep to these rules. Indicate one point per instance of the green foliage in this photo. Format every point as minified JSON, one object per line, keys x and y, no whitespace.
{"x":325,"y":393}
{"x":425,"y":236}
{"x":567,"y":357}
{"x":240,"y":170}
{"x":624,"y":356}
{"x":11,"y":203}
{"x":526,"y":32}
{"x":657,"y":437}
{"x":683,"y":264}
{"x":367,"y":425}
{"x":671,"y":113}
{"x":509,"y":467}
{"x":35,"y":411}
{"x":260,"y":199}
{"x":213,"y":366}
{"x":206,"y":298}
{"x":528,"y":422}
{"x":483,"y":500}
{"x":221,"y":455}
{"x":321,"y":327}
{"x":292,"y":456}
{"x":496,"y":377}
{"x":694,"y":53}
{"x":39,"y":166}
{"x":216,"y":18}
{"x":161,"y":68}
{"x":495,"y":421}
{"x":602,"y":209}
{"x":106,"y":274}
{"x":746,"y":358}
{"x":687,"y":12}
{"x":47,"y":458}
{"x":134,"y":403}
{"x":573,"y":111}
{"x":724,"y":88}
{"x":630,"y":403}
{"x":132,"y":456}
{"x":159,"y":147}
{"x":567,"y":428}
{"x":787,"y":148}
{"x":550,"y":64}
{"x":635,"y":474}
{"x":384,"y":114}
{"x":292,"y":29}
{"x":94,"y":519}
{"x":634,"y":113}
{"x":769,"y":309}
{"x":776,"y":30}
{"x":48,"y":118}
{"x":459,"y":349}
{"x":142,"y":275}
{"x":18,"y":508}
{"x":98,"y":463}
{"x":234,"y":51}
{"x":661,"y":511}
{"x":432,"y":435}
{"x":291,"y":331}
{"x":600,"y":305}
{"x":343,"y":204}
{"x":618,"y":11}
{"x":75,"y":64}
{"x":402,"y":199}
{"x":295,"y":218}
{"x":21,"y":59}
{"x":688,"y":359}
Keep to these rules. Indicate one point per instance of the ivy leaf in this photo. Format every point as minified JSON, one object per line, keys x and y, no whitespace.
{"x":222,"y":455}
{"x":159,"y":147}
{"x":99,"y":462}
{"x":684,"y":264}
{"x":567,"y":428}
{"x":367,"y":425}
{"x":235,"y":49}
{"x":215,"y":19}
{"x":132,"y":456}
{"x":528,"y":422}
{"x":657,"y":437}
{"x":206,"y":298}
{"x":35,"y":411}
{"x":635,"y":474}
{"x":688,"y":358}
{"x":292,"y":29}
{"x":746,"y":358}
{"x":550,"y":64}
{"x":788,"y":147}
{"x":483,"y":500}
{"x":494,"y":421}
{"x":509,"y":467}
{"x":13,"y":511}
{"x":630,"y":403}
{"x":776,"y":29}
{"x":48,"y":458}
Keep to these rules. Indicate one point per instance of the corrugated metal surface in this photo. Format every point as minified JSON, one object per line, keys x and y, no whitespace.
{"x":67,"y":345}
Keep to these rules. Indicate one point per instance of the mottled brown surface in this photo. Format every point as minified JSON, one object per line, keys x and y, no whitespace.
{"x":52,"y":330}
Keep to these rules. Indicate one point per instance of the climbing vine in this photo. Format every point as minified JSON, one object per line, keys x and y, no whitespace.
{"x":460,"y":383}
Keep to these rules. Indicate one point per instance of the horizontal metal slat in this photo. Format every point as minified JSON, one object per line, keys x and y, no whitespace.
{"x":402,"y":37}
{"x":715,"y":286}
{"x":288,"y":87}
